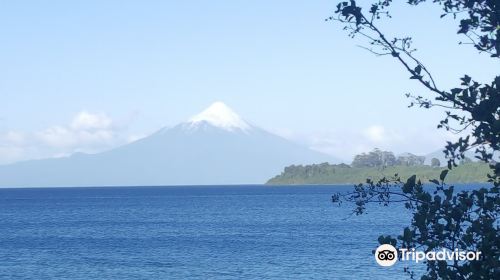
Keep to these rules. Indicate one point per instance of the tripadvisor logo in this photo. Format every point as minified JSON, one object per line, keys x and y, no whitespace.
{"x":387,"y":255}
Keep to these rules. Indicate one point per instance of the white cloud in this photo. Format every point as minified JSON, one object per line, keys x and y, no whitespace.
{"x":64,"y":137}
{"x":86,"y":132}
{"x":13,"y":137}
{"x":375,"y":133}
{"x":56,"y":136}
{"x":87,"y":121}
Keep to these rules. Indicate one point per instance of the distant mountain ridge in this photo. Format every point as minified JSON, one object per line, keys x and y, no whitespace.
{"x":213,"y":147}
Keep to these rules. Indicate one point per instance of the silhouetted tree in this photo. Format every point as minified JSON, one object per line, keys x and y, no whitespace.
{"x":443,"y":218}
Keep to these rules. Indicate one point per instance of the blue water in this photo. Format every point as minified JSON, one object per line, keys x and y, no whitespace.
{"x":237,"y":232}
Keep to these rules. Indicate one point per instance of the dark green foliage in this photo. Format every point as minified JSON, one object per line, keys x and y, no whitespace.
{"x":466,"y":220}
{"x":443,"y":219}
{"x":479,"y":19}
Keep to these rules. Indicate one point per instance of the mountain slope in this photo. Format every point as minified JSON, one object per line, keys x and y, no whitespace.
{"x":214,"y":147}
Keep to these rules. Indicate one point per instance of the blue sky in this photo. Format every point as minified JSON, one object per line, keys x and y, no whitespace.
{"x":90,"y":75}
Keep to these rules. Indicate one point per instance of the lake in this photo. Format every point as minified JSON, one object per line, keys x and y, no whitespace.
{"x":208,"y":232}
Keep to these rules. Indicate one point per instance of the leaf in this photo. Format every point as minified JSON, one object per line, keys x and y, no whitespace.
{"x":410,"y":184}
{"x":434,"y":181}
{"x":418,"y":69}
{"x":381,"y":239}
{"x":407,"y":234}
{"x":466,"y":79}
{"x":443,"y":174}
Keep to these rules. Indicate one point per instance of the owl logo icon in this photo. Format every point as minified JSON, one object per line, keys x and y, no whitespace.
{"x":386,"y":255}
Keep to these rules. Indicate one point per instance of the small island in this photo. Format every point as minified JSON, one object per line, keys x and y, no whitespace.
{"x":376,"y":165}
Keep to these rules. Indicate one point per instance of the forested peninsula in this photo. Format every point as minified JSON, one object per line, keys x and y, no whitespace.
{"x":376,"y":165}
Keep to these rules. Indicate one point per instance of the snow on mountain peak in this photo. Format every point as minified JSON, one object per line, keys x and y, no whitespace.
{"x":220,"y":115}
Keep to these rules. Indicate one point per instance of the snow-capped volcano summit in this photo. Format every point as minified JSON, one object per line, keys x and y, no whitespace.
{"x":220,"y":115}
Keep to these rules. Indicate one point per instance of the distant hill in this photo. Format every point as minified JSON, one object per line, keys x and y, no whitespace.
{"x":213,"y":147}
{"x":442,"y":159}
{"x":473,"y":172}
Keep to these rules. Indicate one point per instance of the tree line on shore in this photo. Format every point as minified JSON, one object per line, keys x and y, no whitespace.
{"x":378,"y":164}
